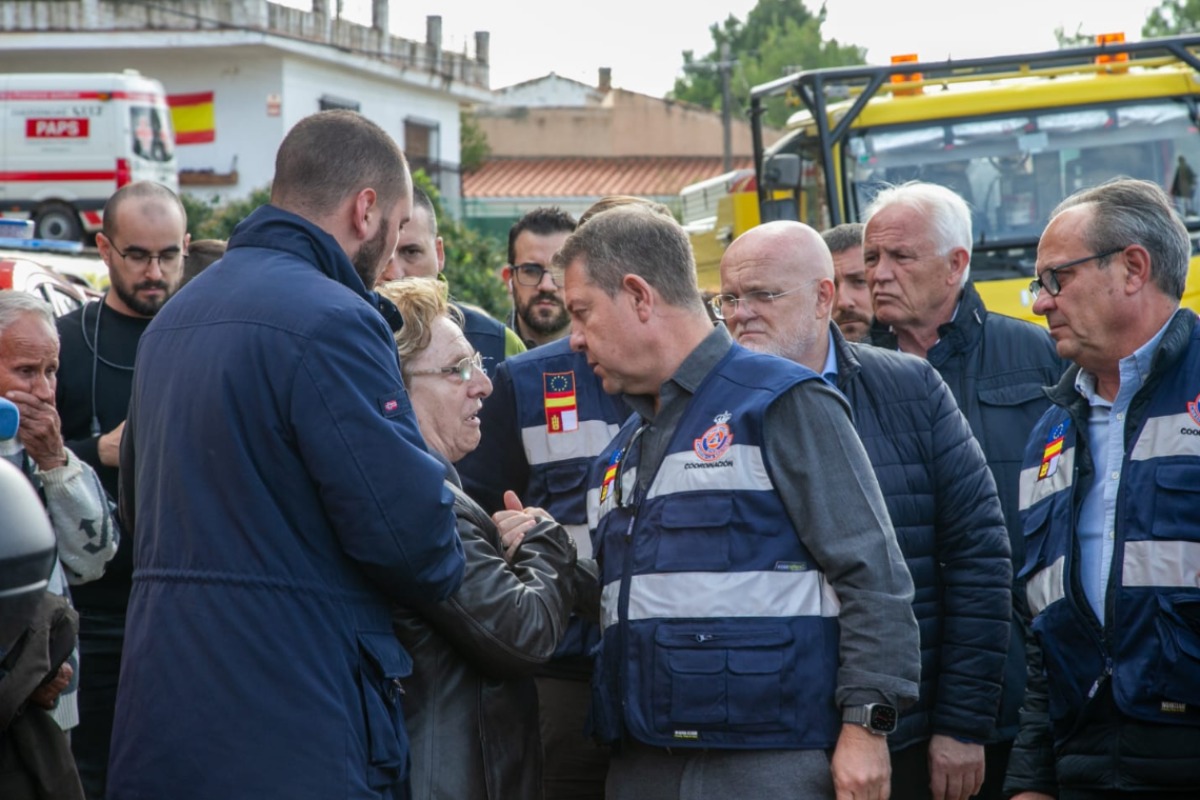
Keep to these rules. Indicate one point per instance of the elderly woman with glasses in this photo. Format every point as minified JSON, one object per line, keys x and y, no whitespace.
{"x":470,"y":704}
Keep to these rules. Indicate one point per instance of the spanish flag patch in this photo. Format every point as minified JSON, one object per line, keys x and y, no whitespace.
{"x":562,"y":411}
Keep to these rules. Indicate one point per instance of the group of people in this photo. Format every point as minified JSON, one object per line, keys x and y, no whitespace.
{"x":836,"y":532}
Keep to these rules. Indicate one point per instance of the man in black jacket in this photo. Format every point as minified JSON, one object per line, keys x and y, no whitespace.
{"x":939,"y":493}
{"x":917,"y":250}
{"x":143,"y":244}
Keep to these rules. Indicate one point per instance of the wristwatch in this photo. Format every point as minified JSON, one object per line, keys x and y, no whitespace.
{"x":877,"y":718}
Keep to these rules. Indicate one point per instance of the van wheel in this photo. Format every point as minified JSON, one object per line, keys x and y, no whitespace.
{"x":58,"y":221}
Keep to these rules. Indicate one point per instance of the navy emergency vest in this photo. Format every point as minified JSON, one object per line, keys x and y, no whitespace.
{"x":566,"y":420}
{"x":1149,"y":645}
{"x":719,"y":629}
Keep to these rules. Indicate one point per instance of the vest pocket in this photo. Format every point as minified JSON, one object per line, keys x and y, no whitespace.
{"x":382,"y":664}
{"x":1178,"y":627}
{"x":1176,"y":502}
{"x":694,"y":533}
{"x":720,"y":677}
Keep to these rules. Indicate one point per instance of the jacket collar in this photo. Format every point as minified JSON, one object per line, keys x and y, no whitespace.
{"x":847,"y":361}
{"x":959,"y":335}
{"x":275,"y":229}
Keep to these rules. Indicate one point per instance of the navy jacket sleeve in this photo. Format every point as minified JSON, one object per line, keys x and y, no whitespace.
{"x":974,"y":557}
{"x":499,"y":463}
{"x":381,"y":489}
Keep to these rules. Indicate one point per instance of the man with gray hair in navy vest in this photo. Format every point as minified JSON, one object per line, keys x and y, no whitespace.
{"x":757,"y":633}
{"x":1110,"y":506}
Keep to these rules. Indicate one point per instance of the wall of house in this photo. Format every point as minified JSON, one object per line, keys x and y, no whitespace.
{"x":624,"y":124}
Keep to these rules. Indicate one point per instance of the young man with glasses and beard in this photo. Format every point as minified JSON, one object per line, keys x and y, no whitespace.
{"x":143,"y":243}
{"x":539,"y":315}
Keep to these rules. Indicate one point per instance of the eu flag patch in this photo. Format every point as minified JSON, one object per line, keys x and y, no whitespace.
{"x":562,"y":411}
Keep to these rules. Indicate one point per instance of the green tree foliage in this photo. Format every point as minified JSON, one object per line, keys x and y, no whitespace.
{"x":209,"y":220}
{"x":1076,"y":39}
{"x":473,"y":261}
{"x":1173,"y":17}
{"x":778,"y":37}
{"x":473,"y":142}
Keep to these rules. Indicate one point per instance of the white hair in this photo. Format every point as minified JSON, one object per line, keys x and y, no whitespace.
{"x":948,"y":214}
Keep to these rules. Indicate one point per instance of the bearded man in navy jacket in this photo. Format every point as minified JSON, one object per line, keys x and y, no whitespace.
{"x":282,"y":500}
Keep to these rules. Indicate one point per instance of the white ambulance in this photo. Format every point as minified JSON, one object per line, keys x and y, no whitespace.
{"x":68,"y":141}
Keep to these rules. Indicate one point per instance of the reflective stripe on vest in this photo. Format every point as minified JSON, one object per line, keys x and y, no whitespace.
{"x":741,"y":468}
{"x":1172,"y":435}
{"x":1153,"y":562}
{"x":592,"y":436}
{"x":1045,"y":587}
{"x":708,"y":595}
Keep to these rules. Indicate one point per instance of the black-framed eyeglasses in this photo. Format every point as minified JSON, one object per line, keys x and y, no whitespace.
{"x":726,"y":305}
{"x":531,"y":274}
{"x":464,"y":369}
{"x":1048,"y":280}
{"x":141,"y":258}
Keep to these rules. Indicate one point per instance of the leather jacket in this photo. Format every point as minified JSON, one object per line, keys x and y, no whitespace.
{"x":471,"y":705}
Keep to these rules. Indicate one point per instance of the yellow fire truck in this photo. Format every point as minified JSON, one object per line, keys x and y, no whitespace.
{"x":1013,"y":135}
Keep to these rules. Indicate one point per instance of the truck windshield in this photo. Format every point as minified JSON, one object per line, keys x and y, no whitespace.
{"x":1014,"y":170}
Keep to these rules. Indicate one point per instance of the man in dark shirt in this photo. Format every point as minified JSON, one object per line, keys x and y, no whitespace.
{"x":143,"y":242}
{"x":724,"y":666}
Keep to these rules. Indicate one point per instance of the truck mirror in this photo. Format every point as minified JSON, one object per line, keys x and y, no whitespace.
{"x":781,"y":171}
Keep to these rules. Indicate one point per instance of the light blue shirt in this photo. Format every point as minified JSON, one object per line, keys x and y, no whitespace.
{"x":1096,"y":528}
{"x":830,"y":371}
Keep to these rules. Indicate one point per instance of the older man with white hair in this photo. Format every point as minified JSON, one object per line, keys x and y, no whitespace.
{"x":917,"y":251}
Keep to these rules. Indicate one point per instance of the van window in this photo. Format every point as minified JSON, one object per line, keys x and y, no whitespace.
{"x":151,"y":133}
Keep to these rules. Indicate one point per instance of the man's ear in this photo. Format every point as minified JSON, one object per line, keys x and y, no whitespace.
{"x":960,"y":258}
{"x":441,"y":253}
{"x":1137,"y":268}
{"x":365,"y":214}
{"x":826,"y":293}
{"x":641,"y":295}
{"x":105,"y":247}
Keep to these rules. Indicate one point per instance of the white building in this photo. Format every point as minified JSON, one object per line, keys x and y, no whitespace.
{"x":251,"y":69}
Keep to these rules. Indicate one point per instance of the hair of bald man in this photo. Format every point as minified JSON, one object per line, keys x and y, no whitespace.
{"x":332,"y":155}
{"x":421,"y":199}
{"x":141,"y":190}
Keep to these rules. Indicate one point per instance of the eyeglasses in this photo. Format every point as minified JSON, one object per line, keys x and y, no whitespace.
{"x":725,"y":305}
{"x":1048,"y":280}
{"x":531,"y":274}
{"x":142,"y":258}
{"x":464,"y":369}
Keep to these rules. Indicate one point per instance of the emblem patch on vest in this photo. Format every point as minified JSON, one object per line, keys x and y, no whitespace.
{"x":562,"y":411}
{"x":610,"y":473}
{"x":1053,"y":452}
{"x":1194,"y":409}
{"x":715,"y":441}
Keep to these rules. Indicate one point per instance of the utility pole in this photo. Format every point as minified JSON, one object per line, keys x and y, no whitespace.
{"x":724,"y":69}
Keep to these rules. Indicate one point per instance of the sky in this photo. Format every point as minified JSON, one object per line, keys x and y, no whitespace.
{"x":643,"y":40}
